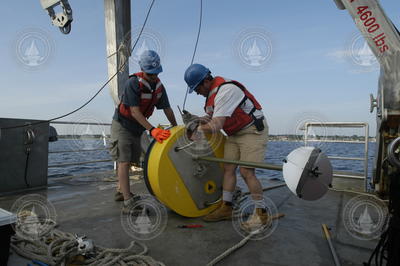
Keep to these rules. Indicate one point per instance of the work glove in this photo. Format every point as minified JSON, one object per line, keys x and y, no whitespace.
{"x":160,"y":134}
{"x":187,"y":117}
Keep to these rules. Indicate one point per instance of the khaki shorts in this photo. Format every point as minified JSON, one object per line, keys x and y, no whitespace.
{"x":125,"y":147}
{"x":247,"y":145}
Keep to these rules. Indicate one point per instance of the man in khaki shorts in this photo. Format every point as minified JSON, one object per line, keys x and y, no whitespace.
{"x":143,"y":93}
{"x":235,"y":111}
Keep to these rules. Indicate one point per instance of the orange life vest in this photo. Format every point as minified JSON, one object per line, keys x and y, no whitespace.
{"x":239,"y":118}
{"x":148,"y":98}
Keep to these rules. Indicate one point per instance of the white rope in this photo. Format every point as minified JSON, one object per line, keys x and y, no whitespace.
{"x":251,"y":234}
{"x":234,"y":248}
{"x":56,"y":247}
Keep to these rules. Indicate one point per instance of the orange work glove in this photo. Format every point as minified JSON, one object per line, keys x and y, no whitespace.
{"x":160,"y":134}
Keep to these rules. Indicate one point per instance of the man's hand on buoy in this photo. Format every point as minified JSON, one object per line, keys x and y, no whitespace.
{"x":160,"y":134}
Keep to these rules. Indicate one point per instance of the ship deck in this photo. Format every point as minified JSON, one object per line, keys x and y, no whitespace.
{"x":85,"y":205}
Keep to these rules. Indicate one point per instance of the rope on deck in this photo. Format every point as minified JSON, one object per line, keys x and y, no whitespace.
{"x":234,"y":248}
{"x":61,"y":248}
{"x":246,"y":239}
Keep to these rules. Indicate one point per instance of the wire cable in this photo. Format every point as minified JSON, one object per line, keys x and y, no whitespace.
{"x":101,"y":88}
{"x":195,"y":48}
{"x":386,"y":251}
{"x":28,"y":152}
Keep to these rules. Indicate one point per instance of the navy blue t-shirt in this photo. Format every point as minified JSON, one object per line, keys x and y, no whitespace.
{"x":131,"y":97}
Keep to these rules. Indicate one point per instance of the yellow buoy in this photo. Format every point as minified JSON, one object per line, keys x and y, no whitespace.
{"x":189,"y":187}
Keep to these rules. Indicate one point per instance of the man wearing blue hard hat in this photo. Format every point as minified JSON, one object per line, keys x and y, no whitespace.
{"x":143,"y":93}
{"x":234,"y":111}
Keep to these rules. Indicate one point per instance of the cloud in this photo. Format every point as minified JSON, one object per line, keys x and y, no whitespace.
{"x":361,"y":60}
{"x":339,"y":55}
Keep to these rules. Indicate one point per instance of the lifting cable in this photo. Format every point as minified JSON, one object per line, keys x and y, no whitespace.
{"x":101,"y":88}
{"x":195,"y":48}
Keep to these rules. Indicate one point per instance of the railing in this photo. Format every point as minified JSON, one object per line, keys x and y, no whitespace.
{"x":346,"y":175}
{"x":82,"y":150}
{"x":307,"y":126}
{"x":79,"y":123}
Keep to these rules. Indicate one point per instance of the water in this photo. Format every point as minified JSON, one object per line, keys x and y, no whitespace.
{"x":73,"y":157}
{"x":276,"y":153}
{"x":278,"y":150}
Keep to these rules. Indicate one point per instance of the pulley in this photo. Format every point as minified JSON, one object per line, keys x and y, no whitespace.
{"x":394,"y":153}
{"x":62,"y":20}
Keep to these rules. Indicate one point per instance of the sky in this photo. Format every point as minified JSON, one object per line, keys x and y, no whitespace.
{"x":294,"y":56}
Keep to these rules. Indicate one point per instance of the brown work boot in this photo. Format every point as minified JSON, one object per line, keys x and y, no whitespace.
{"x":130,"y":206}
{"x":224,"y":212}
{"x":259,"y":219}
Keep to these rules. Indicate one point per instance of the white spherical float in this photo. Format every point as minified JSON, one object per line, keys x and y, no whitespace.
{"x":308,"y":173}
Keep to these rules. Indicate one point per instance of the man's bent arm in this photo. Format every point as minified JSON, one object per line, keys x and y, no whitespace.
{"x":170,"y":116}
{"x":135,"y":111}
{"x":214,"y":125}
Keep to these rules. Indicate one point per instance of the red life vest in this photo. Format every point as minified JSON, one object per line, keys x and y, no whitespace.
{"x":148,"y":98}
{"x":239,"y":118}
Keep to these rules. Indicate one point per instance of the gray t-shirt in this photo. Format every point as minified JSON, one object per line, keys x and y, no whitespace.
{"x":131,"y":97}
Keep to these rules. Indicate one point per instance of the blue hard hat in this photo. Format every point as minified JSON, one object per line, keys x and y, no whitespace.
{"x":149,"y":62}
{"x":194,"y":75}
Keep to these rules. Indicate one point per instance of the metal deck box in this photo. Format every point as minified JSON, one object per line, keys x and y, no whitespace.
{"x":23,"y":154}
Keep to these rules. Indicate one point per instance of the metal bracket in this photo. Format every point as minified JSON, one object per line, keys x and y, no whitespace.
{"x":200,"y":169}
{"x":195,"y":175}
{"x":373,"y":103}
{"x":310,"y":171}
{"x":62,"y":20}
{"x":84,"y":245}
{"x":340,"y":4}
{"x":30,"y":137}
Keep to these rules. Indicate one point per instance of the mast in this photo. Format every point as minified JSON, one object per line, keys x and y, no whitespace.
{"x":118,"y":34}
